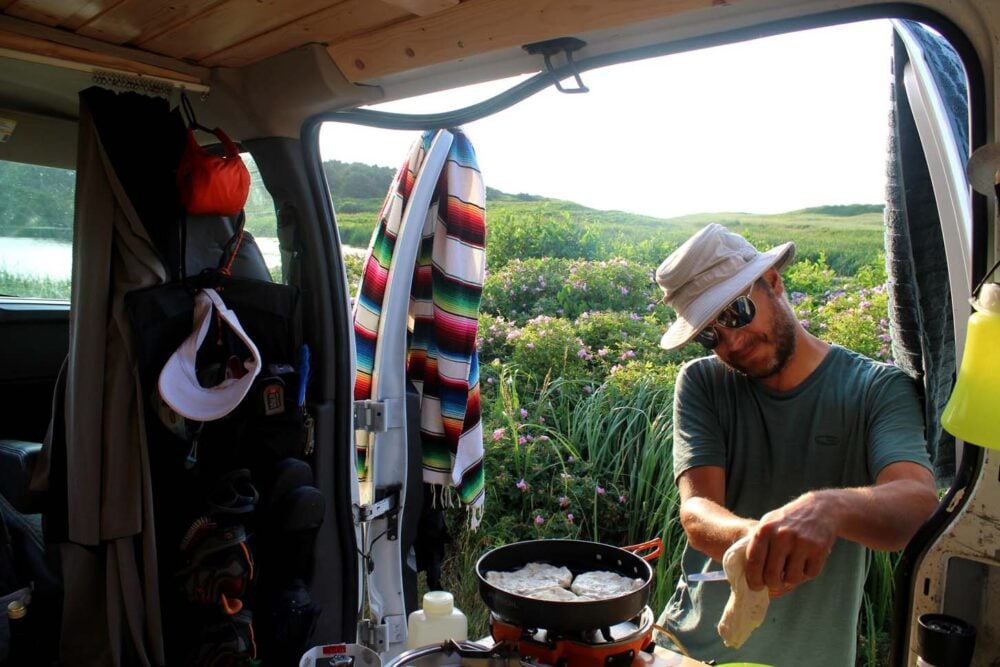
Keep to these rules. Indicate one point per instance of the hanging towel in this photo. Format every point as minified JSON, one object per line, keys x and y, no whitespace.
{"x":442,"y":359}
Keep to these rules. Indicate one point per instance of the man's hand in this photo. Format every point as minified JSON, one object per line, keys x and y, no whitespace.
{"x":790,"y":545}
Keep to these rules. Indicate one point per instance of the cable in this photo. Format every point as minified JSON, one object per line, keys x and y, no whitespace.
{"x":673,"y":638}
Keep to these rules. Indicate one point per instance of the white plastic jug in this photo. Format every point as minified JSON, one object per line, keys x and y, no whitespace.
{"x":437,"y":621}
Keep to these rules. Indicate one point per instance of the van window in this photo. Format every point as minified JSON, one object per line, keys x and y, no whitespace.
{"x":36,"y":228}
{"x":262,"y":219}
{"x":36,"y":231}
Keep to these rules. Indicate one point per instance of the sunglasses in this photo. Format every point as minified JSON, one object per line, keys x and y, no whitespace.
{"x":736,"y":315}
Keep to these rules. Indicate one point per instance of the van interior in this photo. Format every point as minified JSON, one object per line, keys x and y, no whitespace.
{"x":127,"y":505}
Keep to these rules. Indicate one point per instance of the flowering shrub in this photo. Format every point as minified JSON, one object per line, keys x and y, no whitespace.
{"x":550,"y":346}
{"x":525,"y":288}
{"x":618,"y":338}
{"x":614,"y":284}
{"x":812,"y":278}
{"x":856,"y":319}
{"x":551,"y":492}
{"x":566,"y":288}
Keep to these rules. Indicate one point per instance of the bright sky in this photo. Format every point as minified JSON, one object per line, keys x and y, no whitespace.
{"x":767,"y":126}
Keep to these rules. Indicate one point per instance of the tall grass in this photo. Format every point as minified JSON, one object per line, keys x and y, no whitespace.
{"x":22,"y":285}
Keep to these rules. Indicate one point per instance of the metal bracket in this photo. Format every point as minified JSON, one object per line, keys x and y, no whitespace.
{"x":378,"y":416}
{"x":566,"y":46}
{"x":372,"y":636}
{"x":388,"y":506}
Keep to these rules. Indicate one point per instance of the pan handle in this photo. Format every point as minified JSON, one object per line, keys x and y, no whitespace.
{"x":655,"y":546}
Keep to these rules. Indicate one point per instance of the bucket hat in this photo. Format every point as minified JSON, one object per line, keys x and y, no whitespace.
{"x":706,"y":273}
{"x":178,"y":384}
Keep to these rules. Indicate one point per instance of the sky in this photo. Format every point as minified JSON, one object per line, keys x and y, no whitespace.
{"x":767,"y":126}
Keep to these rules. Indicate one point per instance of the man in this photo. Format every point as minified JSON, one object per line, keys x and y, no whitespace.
{"x":811,"y":452}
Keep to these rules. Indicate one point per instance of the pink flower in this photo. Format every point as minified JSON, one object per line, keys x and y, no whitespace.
{"x":621,"y":499}
{"x":530,"y":346}
{"x":588,"y":389}
{"x":563,"y":501}
{"x":522,"y":440}
{"x":490,"y":380}
{"x":543,"y":438}
{"x":521,"y":484}
{"x":499,"y":433}
{"x":600,"y":490}
{"x":524,"y":413}
{"x":539,"y":520}
{"x":570,"y":517}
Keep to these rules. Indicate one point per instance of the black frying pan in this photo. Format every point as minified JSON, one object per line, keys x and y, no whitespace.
{"x":579,"y":556}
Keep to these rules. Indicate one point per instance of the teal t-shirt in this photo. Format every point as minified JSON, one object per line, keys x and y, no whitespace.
{"x":849,"y":419}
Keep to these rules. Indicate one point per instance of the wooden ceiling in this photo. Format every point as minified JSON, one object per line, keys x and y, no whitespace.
{"x":366,"y":39}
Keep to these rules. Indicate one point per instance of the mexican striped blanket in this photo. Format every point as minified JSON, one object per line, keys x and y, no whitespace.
{"x":442,"y":360}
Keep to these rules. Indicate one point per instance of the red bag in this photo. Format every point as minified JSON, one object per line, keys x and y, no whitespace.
{"x":209,"y":184}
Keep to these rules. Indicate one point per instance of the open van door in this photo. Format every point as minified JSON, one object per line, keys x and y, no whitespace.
{"x":952,"y":566}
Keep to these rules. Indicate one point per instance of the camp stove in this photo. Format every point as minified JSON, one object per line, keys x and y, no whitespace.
{"x":620,"y":645}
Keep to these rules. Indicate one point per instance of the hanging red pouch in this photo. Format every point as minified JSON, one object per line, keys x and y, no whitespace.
{"x":210,"y":184}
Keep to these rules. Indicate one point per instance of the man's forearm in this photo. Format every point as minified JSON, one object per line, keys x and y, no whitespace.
{"x":711,"y":528}
{"x":882,"y":517}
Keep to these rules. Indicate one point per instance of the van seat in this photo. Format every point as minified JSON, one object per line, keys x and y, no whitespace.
{"x":17,"y":460}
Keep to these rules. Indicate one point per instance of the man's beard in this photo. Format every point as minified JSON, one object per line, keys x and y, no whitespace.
{"x":781,"y":336}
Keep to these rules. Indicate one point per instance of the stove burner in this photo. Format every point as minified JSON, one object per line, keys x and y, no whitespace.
{"x":615,"y":646}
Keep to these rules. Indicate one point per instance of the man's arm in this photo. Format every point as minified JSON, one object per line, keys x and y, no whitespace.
{"x":710,"y":527}
{"x":791,"y":543}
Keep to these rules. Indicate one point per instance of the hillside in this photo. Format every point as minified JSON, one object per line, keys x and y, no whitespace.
{"x":849,"y":236}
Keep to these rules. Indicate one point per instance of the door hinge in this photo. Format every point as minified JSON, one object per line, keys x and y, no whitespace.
{"x":378,"y":416}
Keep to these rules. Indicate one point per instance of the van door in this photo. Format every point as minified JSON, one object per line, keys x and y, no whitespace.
{"x":951,"y":566}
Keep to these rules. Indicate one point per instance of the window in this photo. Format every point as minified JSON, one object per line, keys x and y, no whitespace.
{"x":262,"y":219}
{"x":36,"y":231}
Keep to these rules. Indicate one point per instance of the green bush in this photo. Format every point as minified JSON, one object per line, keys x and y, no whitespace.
{"x":567,"y":288}
{"x":812,"y":278}
{"x":854,"y":318}
{"x":536,"y":231}
{"x":550,"y":347}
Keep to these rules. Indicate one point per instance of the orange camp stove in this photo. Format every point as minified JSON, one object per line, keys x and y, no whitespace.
{"x":620,"y":645}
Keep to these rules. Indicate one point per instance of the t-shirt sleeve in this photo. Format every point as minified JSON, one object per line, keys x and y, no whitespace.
{"x":698,"y":436}
{"x":896,"y":430}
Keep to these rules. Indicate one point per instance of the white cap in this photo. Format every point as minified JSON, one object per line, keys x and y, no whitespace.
{"x":179,"y":386}
{"x":438,"y":603}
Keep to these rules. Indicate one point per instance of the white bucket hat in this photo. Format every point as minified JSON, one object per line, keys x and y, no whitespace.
{"x":707,"y":273}
{"x":179,"y":386}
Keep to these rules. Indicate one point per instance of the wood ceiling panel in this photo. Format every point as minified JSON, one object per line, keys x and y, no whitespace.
{"x":69,"y":14}
{"x":228,"y":24}
{"x":481,"y":26}
{"x":343,"y":20}
{"x":133,"y":21}
{"x":423,"y":7}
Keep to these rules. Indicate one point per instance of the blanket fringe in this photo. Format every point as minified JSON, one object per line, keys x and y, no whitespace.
{"x":446,"y":497}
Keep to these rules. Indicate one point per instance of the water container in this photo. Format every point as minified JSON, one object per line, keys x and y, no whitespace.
{"x":437,"y":621}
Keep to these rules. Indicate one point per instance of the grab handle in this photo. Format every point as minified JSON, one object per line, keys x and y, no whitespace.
{"x":655,"y":545}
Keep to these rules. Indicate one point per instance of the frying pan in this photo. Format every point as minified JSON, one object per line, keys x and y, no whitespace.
{"x":578,"y":556}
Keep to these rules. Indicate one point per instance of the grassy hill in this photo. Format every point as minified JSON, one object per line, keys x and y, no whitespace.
{"x":849,"y":236}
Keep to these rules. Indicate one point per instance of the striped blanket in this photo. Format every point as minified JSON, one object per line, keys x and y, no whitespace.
{"x":442,"y":360}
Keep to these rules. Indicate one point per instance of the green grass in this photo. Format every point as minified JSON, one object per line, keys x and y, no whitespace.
{"x":20,"y":285}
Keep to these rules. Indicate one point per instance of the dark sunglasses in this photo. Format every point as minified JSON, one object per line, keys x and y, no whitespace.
{"x":736,"y":315}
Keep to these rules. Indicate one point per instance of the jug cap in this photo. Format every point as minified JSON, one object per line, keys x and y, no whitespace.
{"x":438,"y":603}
